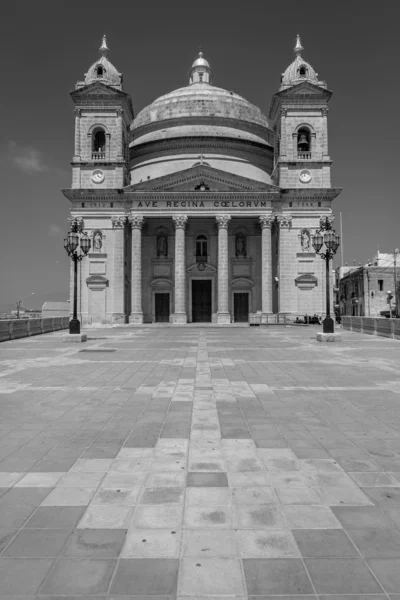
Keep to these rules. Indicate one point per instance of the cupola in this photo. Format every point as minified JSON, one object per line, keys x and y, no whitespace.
{"x":102,"y":70}
{"x":200,"y":71}
{"x":299,"y":70}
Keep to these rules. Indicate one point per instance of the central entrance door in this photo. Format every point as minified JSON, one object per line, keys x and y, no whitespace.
{"x":162,"y":307}
{"x":201,"y":301}
{"x":241,"y":307}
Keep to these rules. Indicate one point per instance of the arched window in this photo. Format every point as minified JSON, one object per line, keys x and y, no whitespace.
{"x":304,"y":143}
{"x":201,"y":248}
{"x":98,"y":144}
{"x":302,"y":71}
{"x":99,"y":71}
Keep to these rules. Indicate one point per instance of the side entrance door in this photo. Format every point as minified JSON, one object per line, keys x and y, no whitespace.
{"x":162,"y":307}
{"x":241,"y":307}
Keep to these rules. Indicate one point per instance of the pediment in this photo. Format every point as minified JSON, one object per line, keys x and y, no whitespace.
{"x":305,"y":88}
{"x":97,"y":89}
{"x":202,"y":178}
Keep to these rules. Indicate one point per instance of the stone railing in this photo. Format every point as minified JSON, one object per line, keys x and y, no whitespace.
{"x":19,"y":328}
{"x":373,"y":325}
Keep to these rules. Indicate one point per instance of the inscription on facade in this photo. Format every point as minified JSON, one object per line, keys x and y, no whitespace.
{"x":199,"y":204}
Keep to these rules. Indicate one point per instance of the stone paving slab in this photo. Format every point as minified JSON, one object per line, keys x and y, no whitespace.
{"x":199,"y":463}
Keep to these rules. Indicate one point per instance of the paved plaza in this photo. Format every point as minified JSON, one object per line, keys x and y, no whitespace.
{"x":200,"y":462}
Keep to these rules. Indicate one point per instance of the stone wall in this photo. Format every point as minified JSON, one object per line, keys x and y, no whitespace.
{"x":19,"y":328}
{"x":379,"y":326}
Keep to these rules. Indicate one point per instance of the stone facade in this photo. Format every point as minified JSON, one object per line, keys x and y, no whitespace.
{"x":200,"y":208}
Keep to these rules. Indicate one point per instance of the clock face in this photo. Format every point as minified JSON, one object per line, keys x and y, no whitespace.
{"x":305,"y":176}
{"x":98,"y":176}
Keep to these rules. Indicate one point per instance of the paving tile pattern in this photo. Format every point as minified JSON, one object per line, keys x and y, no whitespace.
{"x":195,"y":463}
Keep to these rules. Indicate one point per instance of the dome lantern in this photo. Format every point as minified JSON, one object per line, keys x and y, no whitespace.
{"x":103,"y":70}
{"x":200,"y":71}
{"x":299,"y":70}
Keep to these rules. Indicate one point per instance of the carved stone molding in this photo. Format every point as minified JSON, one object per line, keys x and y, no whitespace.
{"x":136,"y":221}
{"x":77,"y":112}
{"x":284,"y":220}
{"x":324,"y":111}
{"x":180,"y":221}
{"x":222,"y":221}
{"x":119,"y":111}
{"x":118,"y":222}
{"x":266,"y":221}
{"x":284,"y":112}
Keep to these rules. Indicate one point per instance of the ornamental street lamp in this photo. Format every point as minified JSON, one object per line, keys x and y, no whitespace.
{"x":332,"y":243}
{"x":77,"y":244}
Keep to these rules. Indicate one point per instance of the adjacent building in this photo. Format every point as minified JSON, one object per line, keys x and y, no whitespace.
{"x":363,"y":290}
{"x":200,"y":208}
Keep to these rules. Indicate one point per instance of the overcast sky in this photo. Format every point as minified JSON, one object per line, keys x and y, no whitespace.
{"x":46,"y":46}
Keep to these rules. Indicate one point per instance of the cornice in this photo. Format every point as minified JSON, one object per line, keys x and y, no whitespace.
{"x":198,"y":142}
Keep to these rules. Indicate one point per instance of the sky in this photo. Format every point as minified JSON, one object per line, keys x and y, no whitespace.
{"x":46,"y":46}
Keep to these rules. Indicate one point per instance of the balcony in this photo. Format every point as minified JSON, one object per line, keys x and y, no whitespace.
{"x":98,"y":155}
{"x":304,"y":155}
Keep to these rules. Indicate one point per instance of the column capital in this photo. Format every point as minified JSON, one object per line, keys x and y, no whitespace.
{"x":284,"y":220}
{"x":324,"y":111}
{"x":77,"y":112}
{"x":180,"y":221}
{"x":222,"y":221}
{"x":266,"y":221}
{"x":136,"y":221}
{"x":119,"y":112}
{"x":118,"y":221}
{"x":284,"y":112}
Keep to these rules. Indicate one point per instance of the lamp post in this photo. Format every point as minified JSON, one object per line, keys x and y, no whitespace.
{"x":19,"y":302}
{"x":332,"y":243}
{"x":77,"y":244}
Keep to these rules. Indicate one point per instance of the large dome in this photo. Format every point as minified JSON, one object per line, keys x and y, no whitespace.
{"x":170,"y":133}
{"x":200,"y":100}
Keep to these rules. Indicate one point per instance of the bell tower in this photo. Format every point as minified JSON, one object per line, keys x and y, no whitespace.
{"x":103,"y":114}
{"x":298,"y":115}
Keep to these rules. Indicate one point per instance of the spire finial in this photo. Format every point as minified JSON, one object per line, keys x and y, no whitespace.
{"x":103,"y":48}
{"x":298,"y":47}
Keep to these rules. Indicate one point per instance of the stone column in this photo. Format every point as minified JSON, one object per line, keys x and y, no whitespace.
{"x":180,"y":315}
{"x":77,"y":150}
{"x":287,"y":266}
{"x":118,"y":312}
{"x":223,"y":315}
{"x":136,"y":315}
{"x":266,"y":264}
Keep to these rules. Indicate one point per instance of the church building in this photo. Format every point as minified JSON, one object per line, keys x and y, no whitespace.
{"x":200,"y":208}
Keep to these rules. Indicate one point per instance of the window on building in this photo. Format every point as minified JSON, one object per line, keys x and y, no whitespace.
{"x":303,"y":142}
{"x":98,"y":144}
{"x":100,"y":71}
{"x":302,"y":71}
{"x":201,"y":248}
{"x":380,"y":284}
{"x":201,"y":75}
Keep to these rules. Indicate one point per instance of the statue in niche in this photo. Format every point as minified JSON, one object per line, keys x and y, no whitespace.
{"x":305,"y":238}
{"x":240,"y":245}
{"x":162,"y":245}
{"x":97,"y":241}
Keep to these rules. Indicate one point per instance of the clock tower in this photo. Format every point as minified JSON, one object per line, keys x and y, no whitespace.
{"x":103,"y":114}
{"x":299,"y":118}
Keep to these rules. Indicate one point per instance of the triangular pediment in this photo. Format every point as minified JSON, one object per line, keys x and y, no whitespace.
{"x":305,"y":88}
{"x":202,"y":178}
{"x":97,"y":89}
